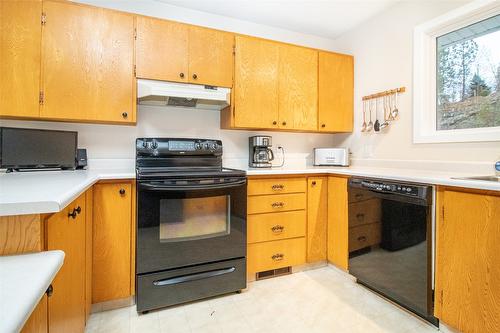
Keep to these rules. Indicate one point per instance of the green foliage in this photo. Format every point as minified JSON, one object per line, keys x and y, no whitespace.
{"x":478,"y":87}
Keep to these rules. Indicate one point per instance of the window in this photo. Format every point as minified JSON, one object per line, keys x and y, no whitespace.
{"x":457,"y":76}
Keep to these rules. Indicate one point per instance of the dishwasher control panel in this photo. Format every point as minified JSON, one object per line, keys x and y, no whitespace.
{"x":412,"y":190}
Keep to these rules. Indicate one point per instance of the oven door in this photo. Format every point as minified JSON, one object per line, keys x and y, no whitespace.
{"x":184,"y":222}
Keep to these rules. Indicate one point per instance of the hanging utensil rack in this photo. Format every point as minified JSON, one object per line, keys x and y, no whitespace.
{"x":389,"y":99}
{"x":384,"y":93}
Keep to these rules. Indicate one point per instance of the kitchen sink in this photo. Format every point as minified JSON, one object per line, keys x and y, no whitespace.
{"x":484,"y":178}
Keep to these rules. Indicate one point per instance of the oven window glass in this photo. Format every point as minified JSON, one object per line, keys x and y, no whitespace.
{"x":194,"y":218}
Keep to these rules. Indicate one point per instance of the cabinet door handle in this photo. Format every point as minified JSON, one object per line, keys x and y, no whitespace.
{"x":72,"y":214}
{"x":278,"y":256}
{"x":122,"y":191}
{"x":277,"y":229}
{"x":313,"y":183}
{"x":278,"y":204}
{"x":49,"y":291}
{"x":323,"y":125}
{"x":283,"y":123}
{"x":181,"y":75}
{"x":278,"y":187}
{"x":195,"y":76}
{"x":362,"y":238}
{"x":124,"y":114}
{"x":275,"y":122}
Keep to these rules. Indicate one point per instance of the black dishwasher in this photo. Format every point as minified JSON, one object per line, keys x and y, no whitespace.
{"x":391,"y":241}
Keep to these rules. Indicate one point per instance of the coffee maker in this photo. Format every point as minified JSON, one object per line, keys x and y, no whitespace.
{"x":260,"y":153}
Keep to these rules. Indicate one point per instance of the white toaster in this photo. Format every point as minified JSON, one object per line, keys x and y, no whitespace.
{"x":331,"y":156}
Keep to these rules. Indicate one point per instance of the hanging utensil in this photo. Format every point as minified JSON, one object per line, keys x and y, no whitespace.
{"x":363,"y":127}
{"x":369,"y":127}
{"x":376,"y":125}
{"x":387,"y":109}
{"x":395,"y":111}
{"x":390,"y":99}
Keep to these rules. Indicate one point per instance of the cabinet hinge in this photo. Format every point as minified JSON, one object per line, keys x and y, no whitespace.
{"x":41,"y":98}
{"x":442,"y":213}
{"x":135,"y":33}
{"x":44,"y":18}
{"x":234,"y":49}
{"x":135,"y":70}
{"x":441,"y":301}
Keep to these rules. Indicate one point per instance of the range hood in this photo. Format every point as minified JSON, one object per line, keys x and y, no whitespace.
{"x":163,"y":93}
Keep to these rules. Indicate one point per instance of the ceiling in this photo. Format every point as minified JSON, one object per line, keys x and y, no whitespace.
{"x":325,"y":18}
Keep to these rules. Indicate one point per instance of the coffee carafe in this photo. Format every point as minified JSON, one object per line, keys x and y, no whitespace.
{"x":260,"y":153}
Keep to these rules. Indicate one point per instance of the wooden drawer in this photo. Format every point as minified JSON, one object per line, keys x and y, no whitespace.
{"x":277,"y":254}
{"x":275,"y":226}
{"x":357,"y":194}
{"x":366,"y":212}
{"x":364,"y":235}
{"x":276,"y":186}
{"x":276,"y":203}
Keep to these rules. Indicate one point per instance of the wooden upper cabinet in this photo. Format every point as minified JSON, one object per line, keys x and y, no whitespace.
{"x":87,"y":61}
{"x":20,"y":35}
{"x":256,"y":83}
{"x":298,"y":88}
{"x":336,"y":92}
{"x":67,"y":303}
{"x":162,"y":50}
{"x":111,"y":277}
{"x":467,"y":261}
{"x":211,"y":57}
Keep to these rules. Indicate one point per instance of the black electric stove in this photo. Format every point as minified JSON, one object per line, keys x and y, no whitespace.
{"x":191,"y":222}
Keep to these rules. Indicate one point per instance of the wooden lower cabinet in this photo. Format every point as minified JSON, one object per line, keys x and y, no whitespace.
{"x":276,"y":203}
{"x":66,"y":232}
{"x":467,"y":261}
{"x":338,"y":224}
{"x":112,"y":241}
{"x":272,"y":255}
{"x":276,"y":226}
{"x":37,"y":322}
{"x":317,"y":218}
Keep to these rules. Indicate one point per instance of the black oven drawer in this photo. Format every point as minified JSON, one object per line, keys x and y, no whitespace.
{"x":188,"y":284}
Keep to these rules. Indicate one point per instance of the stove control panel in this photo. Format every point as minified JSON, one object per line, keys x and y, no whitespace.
{"x":167,"y":146}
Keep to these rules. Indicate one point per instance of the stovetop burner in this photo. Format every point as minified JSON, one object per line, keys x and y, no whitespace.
{"x":158,"y":158}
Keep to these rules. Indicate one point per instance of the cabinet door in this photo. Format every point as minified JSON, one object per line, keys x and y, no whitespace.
{"x":67,"y":303}
{"x":87,"y":59}
{"x":20,"y":31}
{"x":211,"y":60}
{"x":37,"y":322}
{"x":298,"y":88}
{"x":336,"y":92}
{"x":317,"y":218}
{"x":337,"y":222}
{"x":111,"y":278}
{"x":256,"y":83}
{"x":162,"y":50}
{"x":468,"y":265}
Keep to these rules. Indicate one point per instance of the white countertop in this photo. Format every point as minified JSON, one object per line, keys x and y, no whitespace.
{"x":23,"y":281}
{"x":41,"y":192}
{"x":51,"y":191}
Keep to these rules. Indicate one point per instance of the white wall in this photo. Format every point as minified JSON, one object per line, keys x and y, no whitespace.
{"x":112,"y":141}
{"x":382,"y":49}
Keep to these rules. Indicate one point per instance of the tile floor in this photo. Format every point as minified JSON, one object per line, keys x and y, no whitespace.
{"x":319,"y":300}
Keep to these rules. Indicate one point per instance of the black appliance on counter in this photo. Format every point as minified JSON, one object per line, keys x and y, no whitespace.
{"x":33,"y":149}
{"x":391,"y":241}
{"x":191,"y":222}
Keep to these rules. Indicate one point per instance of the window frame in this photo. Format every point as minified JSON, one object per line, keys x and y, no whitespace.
{"x":424,"y":74}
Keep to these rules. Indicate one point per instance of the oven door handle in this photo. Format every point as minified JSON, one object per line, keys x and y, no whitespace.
{"x":153,"y":187}
{"x":193,"y":277}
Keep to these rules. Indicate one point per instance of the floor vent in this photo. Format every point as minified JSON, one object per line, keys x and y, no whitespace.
{"x":274,"y":272}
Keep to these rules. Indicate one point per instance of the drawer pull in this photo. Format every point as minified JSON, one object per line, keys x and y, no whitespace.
{"x":362,"y":238}
{"x":278,"y":187}
{"x":278,"y":204}
{"x":278,"y":256}
{"x":277,"y":229}
{"x":360,"y":216}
